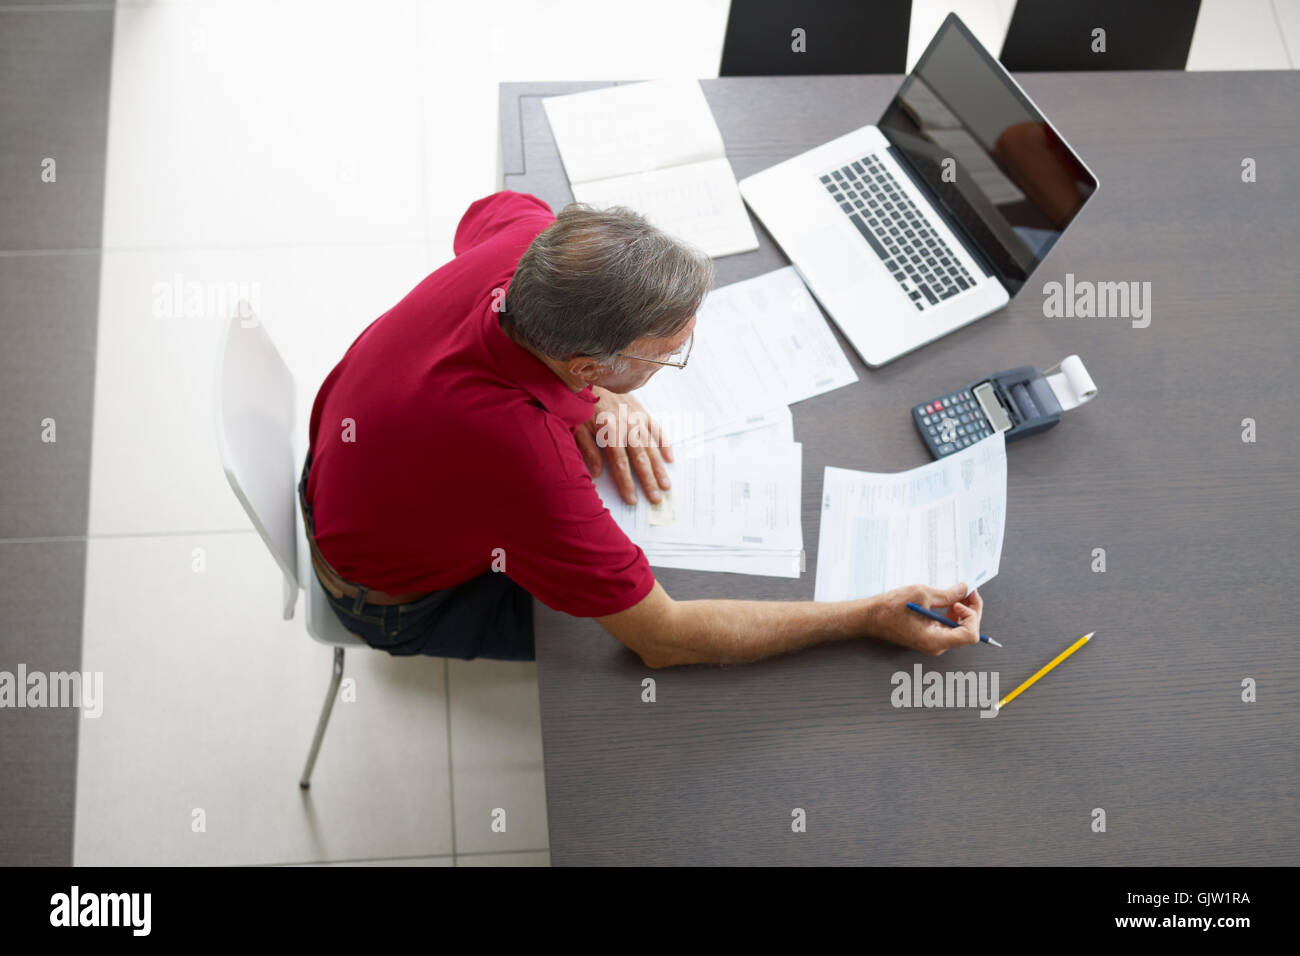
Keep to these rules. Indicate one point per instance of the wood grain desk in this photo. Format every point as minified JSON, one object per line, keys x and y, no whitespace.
{"x":1199,"y":531}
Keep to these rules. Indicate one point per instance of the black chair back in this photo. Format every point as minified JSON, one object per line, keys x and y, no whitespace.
{"x":815,"y":37}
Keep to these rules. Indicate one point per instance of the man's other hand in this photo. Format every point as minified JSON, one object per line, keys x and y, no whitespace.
{"x":630,"y":440}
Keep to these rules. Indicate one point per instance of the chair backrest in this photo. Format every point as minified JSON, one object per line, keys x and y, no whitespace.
{"x":255,"y":430}
{"x":836,"y":37}
{"x":1056,"y":35}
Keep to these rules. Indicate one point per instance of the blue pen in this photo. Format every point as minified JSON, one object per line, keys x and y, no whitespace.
{"x":984,"y":638}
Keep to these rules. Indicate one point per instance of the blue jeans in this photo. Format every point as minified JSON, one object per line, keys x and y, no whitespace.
{"x":488,"y":616}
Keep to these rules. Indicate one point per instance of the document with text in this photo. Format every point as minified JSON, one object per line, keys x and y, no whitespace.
{"x":770,"y":329}
{"x":655,"y":148}
{"x":734,"y":505}
{"x":760,"y":346}
{"x":937,"y":524}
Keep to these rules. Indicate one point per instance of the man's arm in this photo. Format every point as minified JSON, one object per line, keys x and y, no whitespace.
{"x":666,"y":633}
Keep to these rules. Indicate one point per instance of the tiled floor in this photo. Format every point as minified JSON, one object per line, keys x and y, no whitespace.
{"x":54,"y":69}
{"x":316,"y":155}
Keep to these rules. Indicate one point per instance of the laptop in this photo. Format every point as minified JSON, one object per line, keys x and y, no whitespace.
{"x":934,"y":217}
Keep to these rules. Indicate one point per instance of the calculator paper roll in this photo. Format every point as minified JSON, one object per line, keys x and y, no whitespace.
{"x":1072,"y":384}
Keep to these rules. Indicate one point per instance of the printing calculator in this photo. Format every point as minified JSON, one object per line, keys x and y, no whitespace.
{"x":1018,"y":402}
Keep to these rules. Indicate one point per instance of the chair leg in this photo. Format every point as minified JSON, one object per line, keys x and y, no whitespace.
{"x":335,"y":680}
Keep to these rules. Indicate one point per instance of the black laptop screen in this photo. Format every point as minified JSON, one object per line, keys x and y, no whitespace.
{"x":986,"y":154}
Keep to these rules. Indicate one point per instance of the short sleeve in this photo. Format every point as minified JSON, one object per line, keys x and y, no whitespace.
{"x":564,"y":547}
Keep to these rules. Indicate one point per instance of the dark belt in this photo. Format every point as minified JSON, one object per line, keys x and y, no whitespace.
{"x":331,"y":580}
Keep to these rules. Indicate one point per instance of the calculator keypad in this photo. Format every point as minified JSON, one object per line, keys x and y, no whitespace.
{"x":950,"y":423}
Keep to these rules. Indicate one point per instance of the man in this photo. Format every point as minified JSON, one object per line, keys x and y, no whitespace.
{"x":452,"y":450}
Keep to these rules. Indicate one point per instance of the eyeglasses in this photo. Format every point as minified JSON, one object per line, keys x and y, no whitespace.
{"x":677,"y":359}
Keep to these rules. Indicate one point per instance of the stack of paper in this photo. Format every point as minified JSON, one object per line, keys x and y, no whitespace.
{"x":734,"y":506}
{"x":735,"y":502}
{"x":655,"y":148}
{"x":760,"y":346}
{"x":939,"y":524}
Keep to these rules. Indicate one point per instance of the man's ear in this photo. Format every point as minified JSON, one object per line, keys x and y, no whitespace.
{"x":586,"y":368}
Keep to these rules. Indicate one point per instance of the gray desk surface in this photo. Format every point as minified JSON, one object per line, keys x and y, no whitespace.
{"x":1199,"y":531}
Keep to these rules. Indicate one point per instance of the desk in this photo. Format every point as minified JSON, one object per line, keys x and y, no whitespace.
{"x":1199,"y":531}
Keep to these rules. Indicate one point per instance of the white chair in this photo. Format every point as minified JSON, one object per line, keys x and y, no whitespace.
{"x":263,"y":462}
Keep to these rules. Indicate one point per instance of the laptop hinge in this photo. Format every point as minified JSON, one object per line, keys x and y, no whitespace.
{"x":954,"y":226}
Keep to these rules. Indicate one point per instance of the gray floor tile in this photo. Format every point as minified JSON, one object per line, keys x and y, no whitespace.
{"x":40,"y":628}
{"x":48,"y":315}
{"x":54,"y":74}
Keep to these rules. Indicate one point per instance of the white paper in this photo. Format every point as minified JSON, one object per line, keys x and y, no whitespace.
{"x":699,"y":203}
{"x":716,"y":394}
{"x":719,"y":499}
{"x":778,"y":429}
{"x":735,"y":505}
{"x":655,"y":148}
{"x":760,"y":345}
{"x":770,"y":564}
{"x":1072,"y":384}
{"x":937,"y":525}
{"x":633,"y":127}
{"x":771,"y":329}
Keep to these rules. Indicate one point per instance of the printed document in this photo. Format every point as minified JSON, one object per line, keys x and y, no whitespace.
{"x":656,"y":148}
{"x":937,"y":525}
{"x":734,"y":505}
{"x":760,"y":346}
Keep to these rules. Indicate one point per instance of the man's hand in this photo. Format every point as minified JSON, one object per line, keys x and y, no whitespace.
{"x":631,"y":441}
{"x":894,"y":621}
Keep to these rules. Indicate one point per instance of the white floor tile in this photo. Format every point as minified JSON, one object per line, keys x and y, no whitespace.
{"x":210,"y":702}
{"x":244,"y":122}
{"x":539,"y":858}
{"x":400,"y":861}
{"x":154,"y":466}
{"x":463,"y":145}
{"x":496,"y":742}
{"x":1237,"y":35}
{"x":599,"y":40}
{"x":986,"y":19}
{"x":438,"y":253}
{"x":1287,"y":13}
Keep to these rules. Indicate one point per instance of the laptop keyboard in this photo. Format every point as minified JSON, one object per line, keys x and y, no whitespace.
{"x":919,"y":260}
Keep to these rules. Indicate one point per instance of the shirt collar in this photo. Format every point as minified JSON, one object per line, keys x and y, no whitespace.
{"x":534,"y":376}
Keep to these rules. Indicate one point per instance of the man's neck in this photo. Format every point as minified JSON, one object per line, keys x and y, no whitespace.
{"x":508,"y":327}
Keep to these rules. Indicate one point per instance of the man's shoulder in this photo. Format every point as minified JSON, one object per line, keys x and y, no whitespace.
{"x":520,"y":215}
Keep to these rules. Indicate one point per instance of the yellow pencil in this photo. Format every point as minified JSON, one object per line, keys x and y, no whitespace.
{"x":1055,"y":660}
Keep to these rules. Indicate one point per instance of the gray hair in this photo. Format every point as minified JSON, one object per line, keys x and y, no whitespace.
{"x":596,"y":280}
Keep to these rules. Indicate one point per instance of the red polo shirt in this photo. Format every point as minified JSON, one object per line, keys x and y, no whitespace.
{"x":437,"y":440}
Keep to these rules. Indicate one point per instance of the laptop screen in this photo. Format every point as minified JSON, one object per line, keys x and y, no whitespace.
{"x":986,"y":154}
